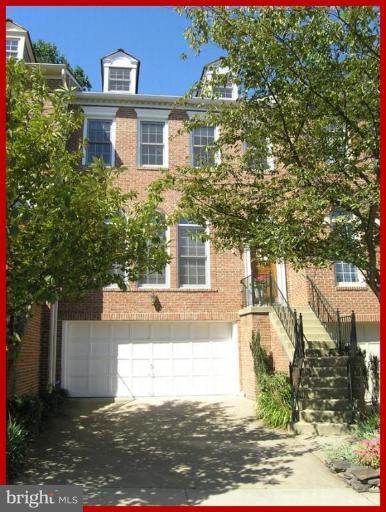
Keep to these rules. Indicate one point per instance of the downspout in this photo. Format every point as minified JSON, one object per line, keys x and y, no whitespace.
{"x":52,"y":346}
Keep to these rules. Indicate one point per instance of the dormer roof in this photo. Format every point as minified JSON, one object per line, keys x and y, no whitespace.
{"x":16,"y":30}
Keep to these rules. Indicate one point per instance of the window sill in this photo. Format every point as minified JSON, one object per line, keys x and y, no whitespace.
{"x":152,"y":168}
{"x":355,"y":286}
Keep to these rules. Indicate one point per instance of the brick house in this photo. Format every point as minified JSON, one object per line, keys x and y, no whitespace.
{"x":184,"y":331}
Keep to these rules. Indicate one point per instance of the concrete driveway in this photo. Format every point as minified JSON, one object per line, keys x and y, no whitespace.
{"x":173,"y":452}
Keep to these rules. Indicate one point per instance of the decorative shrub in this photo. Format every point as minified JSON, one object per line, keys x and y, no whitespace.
{"x":261,"y":360}
{"x":368,"y":452}
{"x":27,"y":411}
{"x":274,"y":401}
{"x":367,"y":426}
{"x":341,"y":452}
{"x":17,"y":442}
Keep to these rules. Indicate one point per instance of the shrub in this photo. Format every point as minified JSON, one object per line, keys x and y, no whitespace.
{"x":262,"y":362}
{"x":368,"y":451}
{"x":341,"y":452}
{"x":17,"y":440}
{"x":274,"y":401}
{"x":26,"y":410}
{"x":367,"y":426}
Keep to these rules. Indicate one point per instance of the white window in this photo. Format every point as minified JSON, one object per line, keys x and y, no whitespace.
{"x":220,"y":91}
{"x":152,"y":137}
{"x":116,"y":270}
{"x":157,"y":279}
{"x":119,"y":79}
{"x":152,"y":143}
{"x":99,"y":140}
{"x":203,"y":152}
{"x":348,"y":274}
{"x":263,"y":161}
{"x":193,"y":264}
{"x":12,"y":47}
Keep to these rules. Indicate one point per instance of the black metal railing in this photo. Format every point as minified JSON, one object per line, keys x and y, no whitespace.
{"x":340,"y":328}
{"x":264,"y":291}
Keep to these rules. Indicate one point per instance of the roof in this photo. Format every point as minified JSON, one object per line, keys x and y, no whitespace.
{"x":210,"y":64}
{"x":129,"y":55}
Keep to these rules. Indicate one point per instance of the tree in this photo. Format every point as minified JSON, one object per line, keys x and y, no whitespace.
{"x":49,"y":53}
{"x":308,"y":80}
{"x":68,"y":227}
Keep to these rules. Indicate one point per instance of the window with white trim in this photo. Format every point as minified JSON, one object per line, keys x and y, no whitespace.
{"x":12,"y":47}
{"x":263,"y":161}
{"x":152,"y":143}
{"x":192,"y":255}
{"x":119,"y":79}
{"x":347,"y":274}
{"x":156,"y":279}
{"x":202,"y":146}
{"x":99,"y":137}
{"x":223,"y":91}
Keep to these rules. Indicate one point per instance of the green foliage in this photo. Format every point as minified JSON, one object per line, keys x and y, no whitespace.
{"x":308,"y":81}
{"x":367,"y":426}
{"x":274,"y":394}
{"x":340,"y":452}
{"x":17,"y":442}
{"x":368,"y":452}
{"x":274,"y":401}
{"x":261,"y":360}
{"x":49,"y":53}
{"x":26,"y":410}
{"x":67,"y":226}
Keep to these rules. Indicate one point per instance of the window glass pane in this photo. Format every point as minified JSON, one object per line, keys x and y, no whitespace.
{"x":346,"y":272}
{"x":11,"y":47}
{"x":220,"y":91}
{"x":203,"y":138}
{"x":191,"y":255}
{"x":154,"y":277}
{"x":119,"y":79}
{"x":99,"y":140}
{"x":152,"y":143}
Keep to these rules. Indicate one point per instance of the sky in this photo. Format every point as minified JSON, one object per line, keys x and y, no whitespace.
{"x":154,"y":35}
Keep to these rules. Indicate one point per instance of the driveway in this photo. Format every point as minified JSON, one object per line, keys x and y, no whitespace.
{"x":179,"y":451}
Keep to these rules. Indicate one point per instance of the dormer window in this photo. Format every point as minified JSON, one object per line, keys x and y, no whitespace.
{"x":223,"y":91}
{"x":119,"y":79}
{"x":12,"y":47}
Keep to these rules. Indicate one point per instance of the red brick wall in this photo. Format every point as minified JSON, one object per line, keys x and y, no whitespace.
{"x":27,"y":366}
{"x":251,"y":323}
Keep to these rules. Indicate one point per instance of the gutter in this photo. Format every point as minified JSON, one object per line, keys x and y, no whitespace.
{"x":52,"y":349}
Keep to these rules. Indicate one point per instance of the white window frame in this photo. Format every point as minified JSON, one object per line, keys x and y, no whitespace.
{"x":361,"y":283}
{"x":103,"y":114}
{"x":166,"y":285}
{"x":20,"y":46}
{"x":207,"y":284}
{"x":217,"y":155}
{"x":270,"y":159}
{"x":153,"y":116}
{"x":130,"y":79}
{"x":114,"y":286}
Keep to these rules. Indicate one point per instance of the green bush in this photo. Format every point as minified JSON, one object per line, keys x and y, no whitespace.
{"x":274,"y":400}
{"x":17,"y":442}
{"x":341,"y":452}
{"x":262,"y":362}
{"x":27,"y":411}
{"x":367,"y":426}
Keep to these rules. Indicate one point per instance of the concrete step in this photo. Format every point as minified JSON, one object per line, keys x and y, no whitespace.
{"x":321,"y":352}
{"x":329,"y":361}
{"x":325,"y":371}
{"x":324,"y":393}
{"x":324,"y":404}
{"x":320,"y":429}
{"x":315,"y":344}
{"x":312,"y":415}
{"x":323,"y":382}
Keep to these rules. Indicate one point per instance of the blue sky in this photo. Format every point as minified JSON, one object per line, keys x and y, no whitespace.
{"x":152,"y":34}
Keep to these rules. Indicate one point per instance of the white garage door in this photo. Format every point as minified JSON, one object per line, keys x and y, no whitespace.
{"x":133,"y":359}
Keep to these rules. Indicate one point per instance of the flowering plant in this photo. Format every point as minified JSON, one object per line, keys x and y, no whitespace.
{"x":368,"y":452}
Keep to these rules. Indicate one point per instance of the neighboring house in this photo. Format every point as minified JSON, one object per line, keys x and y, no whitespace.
{"x":186,"y":330}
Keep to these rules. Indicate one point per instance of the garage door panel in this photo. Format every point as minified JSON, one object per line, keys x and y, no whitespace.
{"x":80,"y":331}
{"x":120,"y":332}
{"x":130,"y":359}
{"x":140,"y":331}
{"x":100,"y":331}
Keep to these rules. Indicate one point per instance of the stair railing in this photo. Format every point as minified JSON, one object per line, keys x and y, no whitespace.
{"x":341,"y":328}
